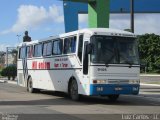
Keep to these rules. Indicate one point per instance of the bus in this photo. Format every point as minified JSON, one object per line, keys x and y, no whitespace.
{"x":90,"y":62}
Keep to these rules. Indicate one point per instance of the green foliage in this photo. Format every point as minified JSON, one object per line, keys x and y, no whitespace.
{"x":10,"y":71}
{"x":149,"y":48}
{"x":14,"y":51}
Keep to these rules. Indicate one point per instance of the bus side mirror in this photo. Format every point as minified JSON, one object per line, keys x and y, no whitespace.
{"x":89,"y":48}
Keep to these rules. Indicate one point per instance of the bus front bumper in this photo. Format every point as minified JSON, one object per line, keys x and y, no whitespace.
{"x":111,"y":89}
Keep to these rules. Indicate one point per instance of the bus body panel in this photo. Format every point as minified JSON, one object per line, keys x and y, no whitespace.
{"x":57,"y":76}
{"x":54,"y":72}
{"x":118,"y":80}
{"x":114,"y":89}
{"x":114,"y":73}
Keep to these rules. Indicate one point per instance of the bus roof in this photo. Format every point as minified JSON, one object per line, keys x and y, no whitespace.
{"x":107,"y":31}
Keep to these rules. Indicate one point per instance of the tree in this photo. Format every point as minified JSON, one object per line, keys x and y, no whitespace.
{"x":149,"y":48}
{"x":2,"y":58}
{"x":10,"y":71}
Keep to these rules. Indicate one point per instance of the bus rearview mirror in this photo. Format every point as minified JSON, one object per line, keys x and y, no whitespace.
{"x":89,"y":48}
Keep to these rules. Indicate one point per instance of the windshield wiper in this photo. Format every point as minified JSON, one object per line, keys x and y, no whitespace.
{"x":130,"y":63}
{"x":113,"y":52}
{"x":109,"y":60}
{"x":127,"y":61}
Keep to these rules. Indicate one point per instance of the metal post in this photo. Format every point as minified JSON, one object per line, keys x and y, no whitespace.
{"x":7,"y":56}
{"x":132,"y":15}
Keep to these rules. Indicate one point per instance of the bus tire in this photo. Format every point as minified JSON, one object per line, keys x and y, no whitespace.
{"x":73,"y":90}
{"x":113,"y":98}
{"x":30,"y":86}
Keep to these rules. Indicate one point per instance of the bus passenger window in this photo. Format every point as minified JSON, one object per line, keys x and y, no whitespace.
{"x":22,"y":53}
{"x":57,"y":47}
{"x":38,"y":50}
{"x":73,"y":44}
{"x":80,"y":47}
{"x":70,"y":45}
{"x":66,"y":46}
{"x":47,"y":49}
{"x":29,"y":51}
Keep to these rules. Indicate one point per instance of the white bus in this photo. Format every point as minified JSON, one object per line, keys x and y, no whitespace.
{"x":92,"y":62}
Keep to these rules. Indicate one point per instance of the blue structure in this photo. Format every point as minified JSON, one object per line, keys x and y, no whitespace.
{"x":72,"y":9}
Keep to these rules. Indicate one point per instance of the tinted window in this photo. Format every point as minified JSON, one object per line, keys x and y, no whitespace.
{"x":57,"y":47}
{"x":22,"y":53}
{"x":80,"y":47}
{"x":128,"y":51}
{"x":114,"y":50}
{"x":38,"y":50}
{"x":70,"y":45}
{"x":29,"y":51}
{"x":47,"y":49}
{"x":104,"y":50}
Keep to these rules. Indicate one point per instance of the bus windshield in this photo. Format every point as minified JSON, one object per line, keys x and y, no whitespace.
{"x":114,"y":50}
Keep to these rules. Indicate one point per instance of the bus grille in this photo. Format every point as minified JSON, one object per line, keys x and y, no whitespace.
{"x":111,"y":81}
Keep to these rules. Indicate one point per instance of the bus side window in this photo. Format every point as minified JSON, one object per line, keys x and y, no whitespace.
{"x":80,"y":47}
{"x":70,"y":45}
{"x":66,"y":45}
{"x":38,"y":50}
{"x":73,"y":44}
{"x":22,"y":53}
{"x":29,"y":51}
{"x":57,"y":47}
{"x":47,"y":49}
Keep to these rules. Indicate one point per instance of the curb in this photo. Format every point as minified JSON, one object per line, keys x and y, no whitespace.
{"x":154,"y":85}
{"x":146,"y":93}
{"x":149,"y":75}
{"x":3,"y":81}
{"x":12,"y":82}
{"x":7,"y":81}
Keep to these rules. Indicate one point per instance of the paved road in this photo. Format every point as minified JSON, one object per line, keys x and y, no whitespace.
{"x":15,"y":100}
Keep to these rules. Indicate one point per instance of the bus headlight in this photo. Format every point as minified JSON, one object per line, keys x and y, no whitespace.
{"x":99,"y":81}
{"x":134,"y":81}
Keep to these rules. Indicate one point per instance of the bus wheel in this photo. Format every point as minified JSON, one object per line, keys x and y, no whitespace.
{"x":113,"y":98}
{"x":30,"y":86}
{"x":73,"y":90}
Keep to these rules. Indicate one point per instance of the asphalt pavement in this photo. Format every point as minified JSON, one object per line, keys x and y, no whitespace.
{"x":17,"y":103}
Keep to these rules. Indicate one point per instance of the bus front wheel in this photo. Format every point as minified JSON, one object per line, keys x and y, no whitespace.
{"x":73,"y":90}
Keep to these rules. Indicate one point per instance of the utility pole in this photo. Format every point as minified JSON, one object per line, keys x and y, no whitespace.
{"x":132,"y":15}
{"x":7,"y":56}
{"x":18,"y":38}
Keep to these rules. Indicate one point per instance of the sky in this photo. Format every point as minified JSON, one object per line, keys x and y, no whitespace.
{"x":44,"y":18}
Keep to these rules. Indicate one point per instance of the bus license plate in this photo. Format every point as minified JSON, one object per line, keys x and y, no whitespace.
{"x":118,"y":88}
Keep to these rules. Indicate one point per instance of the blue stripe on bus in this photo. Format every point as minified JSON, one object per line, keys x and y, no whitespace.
{"x":109,"y":89}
